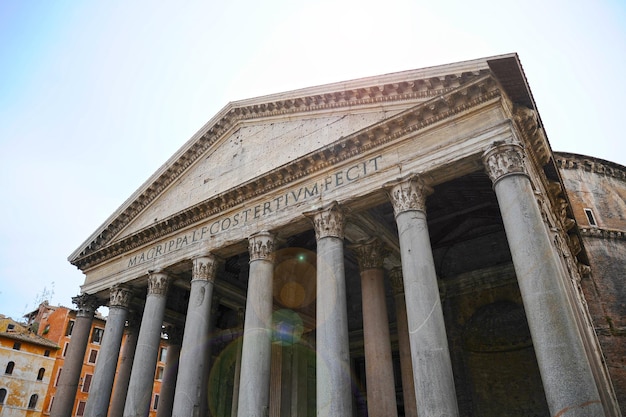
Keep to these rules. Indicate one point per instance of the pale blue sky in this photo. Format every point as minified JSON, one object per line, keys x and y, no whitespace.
{"x":95,"y":96}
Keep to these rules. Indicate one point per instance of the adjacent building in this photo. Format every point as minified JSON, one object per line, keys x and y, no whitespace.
{"x":400,"y":245}
{"x":26,"y":369}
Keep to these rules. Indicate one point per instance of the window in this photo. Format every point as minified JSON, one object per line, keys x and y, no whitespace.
{"x":17,"y":345}
{"x":46,"y":329}
{"x":70,"y":327}
{"x":80,"y":410}
{"x":590,"y":217}
{"x":159,"y":373}
{"x":40,"y":374}
{"x":46,"y":352}
{"x":32,"y":403}
{"x":65,"y":349}
{"x":163,"y":354}
{"x":155,"y":403}
{"x":9,"y":368}
{"x":10,"y":326}
{"x":3,"y":395}
{"x":93,"y":355}
{"x":56,"y":381}
{"x":96,"y":335}
{"x":50,"y":405}
{"x":86,"y":383}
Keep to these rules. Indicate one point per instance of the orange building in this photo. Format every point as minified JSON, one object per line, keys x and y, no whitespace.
{"x":27,"y":366}
{"x":56,"y":324}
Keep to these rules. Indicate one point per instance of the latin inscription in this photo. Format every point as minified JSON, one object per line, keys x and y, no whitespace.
{"x":259,"y":211}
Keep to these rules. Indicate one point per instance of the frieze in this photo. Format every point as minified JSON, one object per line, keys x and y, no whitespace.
{"x":243,"y":217}
{"x":473,"y":93}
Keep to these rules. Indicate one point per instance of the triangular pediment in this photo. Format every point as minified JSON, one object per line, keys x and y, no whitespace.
{"x":255,"y":144}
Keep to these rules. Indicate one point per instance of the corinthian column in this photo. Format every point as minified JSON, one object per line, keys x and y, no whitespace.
{"x":381,"y":391}
{"x":334,"y":396}
{"x":170,"y":374}
{"x":432,"y":368}
{"x":193,"y":361}
{"x":68,"y":382}
{"x":104,"y":374}
{"x":254,"y":384}
{"x":565,"y":371}
{"x":116,"y":408}
{"x":146,"y":354}
{"x":406,"y":369}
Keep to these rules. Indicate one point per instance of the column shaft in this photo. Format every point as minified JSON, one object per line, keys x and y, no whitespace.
{"x":254,"y":380}
{"x":68,"y":382}
{"x":406,"y":368}
{"x":144,"y":365}
{"x":116,"y":408}
{"x":565,"y":371}
{"x":381,"y":393}
{"x":170,"y":375}
{"x":193,"y":360}
{"x":432,"y":367}
{"x":333,"y":382}
{"x":104,"y":374}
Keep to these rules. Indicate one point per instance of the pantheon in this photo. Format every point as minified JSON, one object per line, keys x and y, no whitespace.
{"x":400,"y":245}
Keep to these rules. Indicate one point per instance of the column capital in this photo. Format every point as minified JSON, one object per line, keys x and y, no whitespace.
{"x":370,"y":253}
{"x":328,"y":221}
{"x":395,"y":277}
{"x":87,"y":305}
{"x":408,"y":194}
{"x":261,"y":246}
{"x":121,"y":296}
{"x":503,"y":159}
{"x":158,"y":283}
{"x":204,"y":268}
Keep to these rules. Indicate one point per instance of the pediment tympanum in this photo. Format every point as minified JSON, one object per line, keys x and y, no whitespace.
{"x":257,"y":145}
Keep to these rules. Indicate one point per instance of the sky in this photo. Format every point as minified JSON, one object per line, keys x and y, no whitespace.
{"x":95,"y":96}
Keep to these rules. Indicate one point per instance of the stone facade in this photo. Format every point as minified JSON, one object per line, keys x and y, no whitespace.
{"x":597,"y":192}
{"x":448,"y":169}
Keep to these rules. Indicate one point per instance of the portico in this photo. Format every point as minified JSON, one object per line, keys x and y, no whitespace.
{"x":302,"y":207}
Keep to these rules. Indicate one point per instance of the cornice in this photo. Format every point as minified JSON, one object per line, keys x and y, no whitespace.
{"x":591,"y":164}
{"x":601,"y":233}
{"x":471,"y":91}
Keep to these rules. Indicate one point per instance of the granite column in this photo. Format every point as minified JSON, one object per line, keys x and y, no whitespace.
{"x":116,"y":408}
{"x":193,"y":360}
{"x":381,"y":392}
{"x":104,"y":374}
{"x":406,"y":368}
{"x":432,"y":367}
{"x":254,"y":383}
{"x":333,"y":382}
{"x":68,"y":382}
{"x":144,"y":365}
{"x":169,"y":383}
{"x":567,"y":378}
